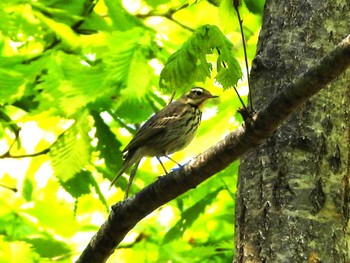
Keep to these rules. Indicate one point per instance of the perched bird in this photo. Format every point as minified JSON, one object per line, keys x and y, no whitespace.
{"x":167,"y":131}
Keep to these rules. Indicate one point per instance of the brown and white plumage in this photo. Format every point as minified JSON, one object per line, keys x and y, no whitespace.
{"x":167,"y":131}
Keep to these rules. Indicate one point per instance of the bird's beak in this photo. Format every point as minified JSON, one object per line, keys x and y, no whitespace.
{"x":210,"y":96}
{"x":207,"y":97}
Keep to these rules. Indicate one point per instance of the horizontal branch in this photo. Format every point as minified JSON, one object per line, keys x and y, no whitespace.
{"x":126,"y":214}
{"x":9,"y":155}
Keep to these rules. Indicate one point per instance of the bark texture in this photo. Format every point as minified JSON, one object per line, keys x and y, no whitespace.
{"x":293,"y":191}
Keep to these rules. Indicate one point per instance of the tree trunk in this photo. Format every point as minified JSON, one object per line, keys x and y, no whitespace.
{"x":293,"y":191}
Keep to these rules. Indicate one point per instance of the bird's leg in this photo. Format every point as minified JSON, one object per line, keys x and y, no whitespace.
{"x":173,"y":160}
{"x":161,"y":164}
{"x":131,"y":178}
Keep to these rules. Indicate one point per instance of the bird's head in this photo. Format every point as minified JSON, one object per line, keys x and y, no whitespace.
{"x":197,"y":96}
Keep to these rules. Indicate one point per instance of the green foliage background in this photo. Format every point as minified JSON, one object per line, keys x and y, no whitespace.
{"x":76,"y":80}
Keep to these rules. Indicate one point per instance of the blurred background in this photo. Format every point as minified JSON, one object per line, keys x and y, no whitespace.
{"x":77,"y":78}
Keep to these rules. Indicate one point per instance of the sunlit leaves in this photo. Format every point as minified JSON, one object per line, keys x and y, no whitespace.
{"x":229,"y":70}
{"x":156,"y":3}
{"x":250,"y":14}
{"x":17,"y":20}
{"x":256,"y":7}
{"x":72,"y":82}
{"x":18,"y":250}
{"x":71,"y":152}
{"x":10,"y":82}
{"x":128,"y":69}
{"x":228,"y":17}
{"x":122,"y":20}
{"x":61,"y":11}
{"x":191,"y":57}
{"x":107,"y":145}
{"x":68,"y":85}
{"x":79,"y":184}
{"x":64,"y":32}
{"x":56,"y":215}
{"x":189,"y":216}
{"x":28,"y":189}
{"x":126,"y":62}
{"x":15,"y":73}
{"x":33,"y":242}
{"x":50,"y":70}
{"x":189,"y":64}
{"x":41,"y":244}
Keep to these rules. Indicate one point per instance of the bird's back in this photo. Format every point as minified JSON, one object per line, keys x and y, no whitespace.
{"x":167,"y":131}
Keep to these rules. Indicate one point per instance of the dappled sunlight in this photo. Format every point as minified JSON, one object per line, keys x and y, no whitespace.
{"x":77,"y":81}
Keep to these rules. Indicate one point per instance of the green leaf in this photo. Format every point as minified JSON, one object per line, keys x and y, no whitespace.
{"x":17,"y":21}
{"x":189,"y":216}
{"x":69,"y":14}
{"x":228,"y":17}
{"x":7,"y":122}
{"x":128,"y":68}
{"x":71,"y":152}
{"x":47,"y":246}
{"x":27,"y":189}
{"x":228,"y":68}
{"x":197,"y":253}
{"x":107,"y":145}
{"x":69,"y":85}
{"x":10,"y":82}
{"x":126,"y":62}
{"x":54,"y":215}
{"x":96,"y":186}
{"x":189,"y":64}
{"x":139,"y":76}
{"x":141,"y":110}
{"x":7,"y":23}
{"x":79,"y":184}
{"x":15,"y":72}
{"x":256,"y":7}
{"x":15,"y":226}
{"x":69,"y":38}
{"x":16,"y":251}
{"x":83,"y":87}
{"x":229,"y":74}
{"x":156,"y":3}
{"x":121,"y":19}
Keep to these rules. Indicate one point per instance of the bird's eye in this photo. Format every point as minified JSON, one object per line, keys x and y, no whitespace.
{"x":198,"y":92}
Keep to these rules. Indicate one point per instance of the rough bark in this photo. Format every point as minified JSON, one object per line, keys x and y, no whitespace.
{"x":293,"y":191}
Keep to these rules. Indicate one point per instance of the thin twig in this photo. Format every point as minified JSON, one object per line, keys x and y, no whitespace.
{"x":235,"y":5}
{"x":13,"y":189}
{"x":9,"y":155}
{"x":169,"y":15}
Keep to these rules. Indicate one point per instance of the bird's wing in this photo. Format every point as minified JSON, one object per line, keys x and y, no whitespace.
{"x":155,"y":126}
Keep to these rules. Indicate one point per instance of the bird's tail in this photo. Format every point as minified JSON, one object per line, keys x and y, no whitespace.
{"x":129,"y":160}
{"x":125,"y":166}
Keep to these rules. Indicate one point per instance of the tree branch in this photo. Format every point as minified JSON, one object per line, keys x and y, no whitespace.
{"x":169,"y":15}
{"x":9,"y":155}
{"x":126,"y":214}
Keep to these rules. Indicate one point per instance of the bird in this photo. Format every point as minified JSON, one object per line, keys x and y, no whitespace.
{"x":166,"y":132}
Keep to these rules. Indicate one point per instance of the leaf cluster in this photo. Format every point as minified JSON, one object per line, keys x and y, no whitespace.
{"x":77,"y":79}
